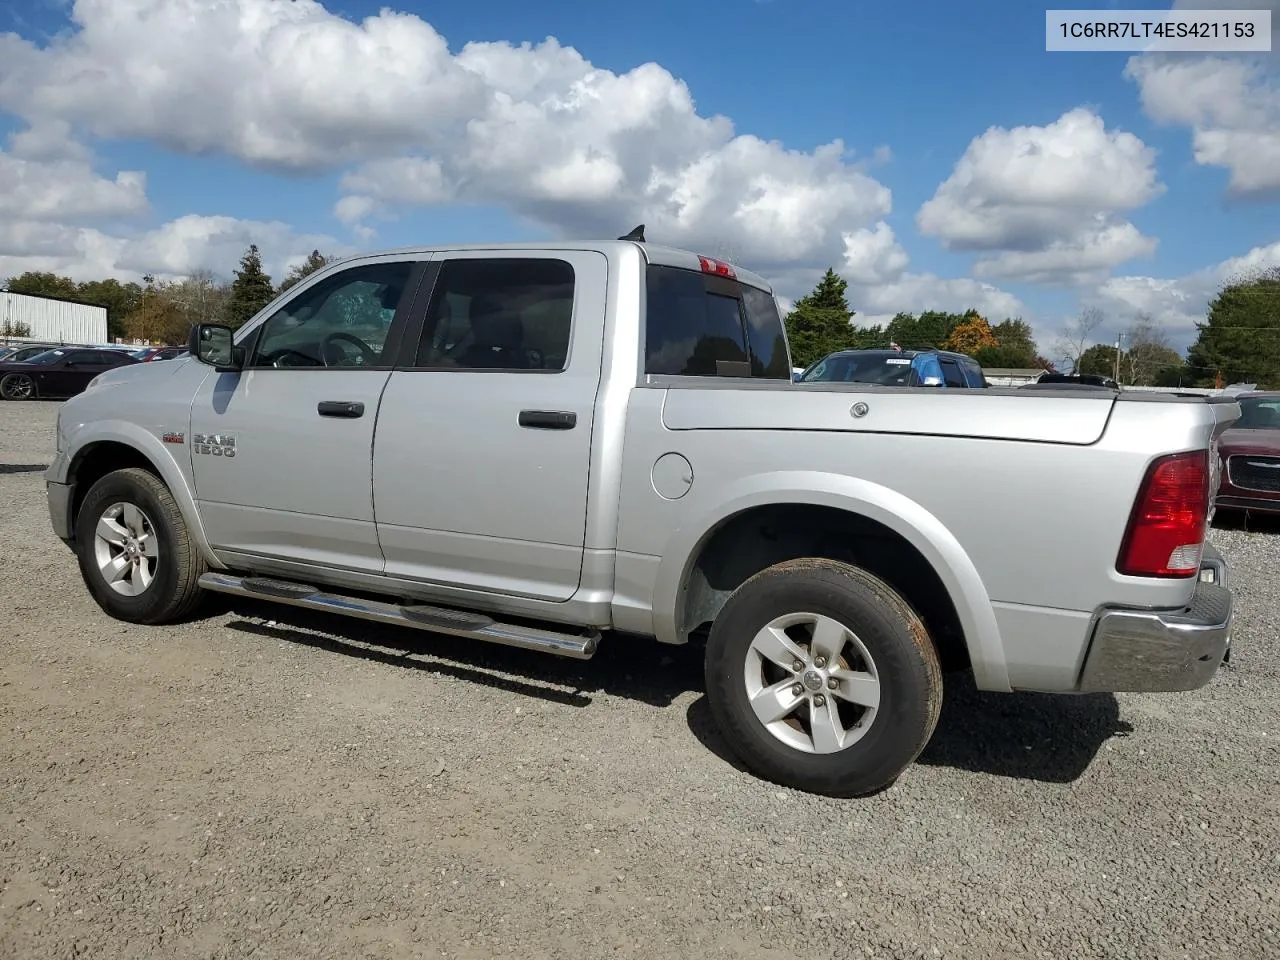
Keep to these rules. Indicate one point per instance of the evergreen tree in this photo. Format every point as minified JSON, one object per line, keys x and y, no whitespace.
{"x":1240,"y":339}
{"x":250,"y":291}
{"x":315,"y":261}
{"x":819,"y":324}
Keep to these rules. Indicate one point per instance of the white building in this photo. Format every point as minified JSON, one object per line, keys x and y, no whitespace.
{"x":51,"y":321}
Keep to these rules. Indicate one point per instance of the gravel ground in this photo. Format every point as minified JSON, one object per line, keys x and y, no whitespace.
{"x":260,"y":783}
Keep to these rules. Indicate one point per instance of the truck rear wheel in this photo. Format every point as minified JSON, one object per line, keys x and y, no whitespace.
{"x":822,"y":678}
{"x":136,"y":555}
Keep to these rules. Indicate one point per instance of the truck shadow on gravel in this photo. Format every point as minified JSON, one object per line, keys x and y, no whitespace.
{"x":7,"y":468}
{"x":629,"y":667}
{"x":1021,"y":735}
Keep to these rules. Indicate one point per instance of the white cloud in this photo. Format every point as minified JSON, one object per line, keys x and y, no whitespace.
{"x":536,"y":128}
{"x":873,"y":256}
{"x":1177,"y":303}
{"x":45,"y":178}
{"x":875,"y":264}
{"x":171,"y":251}
{"x":1043,"y":203}
{"x":190,"y":243}
{"x":1231,"y":103}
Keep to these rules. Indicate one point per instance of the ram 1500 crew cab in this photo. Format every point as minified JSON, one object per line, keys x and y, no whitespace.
{"x":543,"y":444}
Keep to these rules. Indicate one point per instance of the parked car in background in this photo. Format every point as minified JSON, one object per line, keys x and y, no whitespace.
{"x":1055,"y":380}
{"x":152,"y":354}
{"x":1250,"y":454}
{"x":897,"y":368}
{"x":57,"y":373}
{"x":23,"y":351}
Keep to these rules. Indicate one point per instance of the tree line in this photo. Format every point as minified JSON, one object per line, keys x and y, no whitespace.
{"x":1237,"y":342}
{"x":163,"y":311}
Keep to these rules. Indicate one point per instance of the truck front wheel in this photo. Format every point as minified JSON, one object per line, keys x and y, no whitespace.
{"x":822,"y":678}
{"x":136,"y":555}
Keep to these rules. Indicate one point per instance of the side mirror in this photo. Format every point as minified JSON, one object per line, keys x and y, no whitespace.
{"x":213,"y":343}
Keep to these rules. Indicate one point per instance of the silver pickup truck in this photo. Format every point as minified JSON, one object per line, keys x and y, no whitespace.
{"x":543,"y":444}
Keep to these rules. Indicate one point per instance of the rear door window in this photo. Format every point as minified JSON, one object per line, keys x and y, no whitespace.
{"x":698,"y":325}
{"x":952,"y":375}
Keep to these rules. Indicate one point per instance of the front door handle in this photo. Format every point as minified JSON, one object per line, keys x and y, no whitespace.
{"x":351,"y":409}
{"x":548,"y":419}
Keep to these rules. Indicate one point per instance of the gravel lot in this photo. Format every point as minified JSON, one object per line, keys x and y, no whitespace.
{"x":261,"y":783}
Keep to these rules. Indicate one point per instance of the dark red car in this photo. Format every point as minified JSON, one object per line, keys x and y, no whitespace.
{"x":1250,"y":453}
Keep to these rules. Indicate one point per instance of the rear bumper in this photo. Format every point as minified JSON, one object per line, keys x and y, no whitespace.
{"x":1163,"y":650}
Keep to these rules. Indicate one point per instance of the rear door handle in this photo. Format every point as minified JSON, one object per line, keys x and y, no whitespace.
{"x":548,"y":419}
{"x":351,"y":409}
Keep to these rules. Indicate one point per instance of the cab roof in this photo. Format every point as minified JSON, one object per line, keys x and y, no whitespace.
{"x":654,"y":253}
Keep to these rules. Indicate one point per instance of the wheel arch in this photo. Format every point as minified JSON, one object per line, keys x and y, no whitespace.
{"x":120,"y":445}
{"x":770,"y":518}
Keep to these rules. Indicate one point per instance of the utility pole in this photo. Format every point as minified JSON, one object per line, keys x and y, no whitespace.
{"x":1117,"y":376}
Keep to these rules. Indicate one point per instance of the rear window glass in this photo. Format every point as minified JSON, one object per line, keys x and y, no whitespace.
{"x":1257,"y":413}
{"x":887,"y":369}
{"x":765,"y":336}
{"x":698,"y":325}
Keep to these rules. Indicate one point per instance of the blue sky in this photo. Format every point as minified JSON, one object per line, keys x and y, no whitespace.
{"x":239,"y":137}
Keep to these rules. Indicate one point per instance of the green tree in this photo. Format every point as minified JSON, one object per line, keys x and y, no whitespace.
{"x":820,"y":322}
{"x":1240,"y":337}
{"x":1099,"y":360}
{"x":1175,"y":375}
{"x":119,"y":300}
{"x":931,"y":329}
{"x":251,"y":290}
{"x":315,"y":261}
{"x":35,"y":283}
{"x":1018,"y":341}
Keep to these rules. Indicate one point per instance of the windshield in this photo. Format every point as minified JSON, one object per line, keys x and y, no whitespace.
{"x":887,"y":369}
{"x":49,"y":356}
{"x":1259,"y":413}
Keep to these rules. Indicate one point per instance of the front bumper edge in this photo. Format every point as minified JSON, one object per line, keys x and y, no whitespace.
{"x":60,"y":496}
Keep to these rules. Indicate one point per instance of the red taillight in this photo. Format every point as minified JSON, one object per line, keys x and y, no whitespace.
{"x":718,"y":267}
{"x":1167,"y":527}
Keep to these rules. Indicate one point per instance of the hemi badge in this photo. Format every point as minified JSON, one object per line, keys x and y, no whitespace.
{"x":174,"y":438}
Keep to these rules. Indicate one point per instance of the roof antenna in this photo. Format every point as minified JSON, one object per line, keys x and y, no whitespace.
{"x":637,"y":234}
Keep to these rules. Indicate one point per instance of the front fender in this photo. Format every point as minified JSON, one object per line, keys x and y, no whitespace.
{"x":128,"y":434}
{"x":899,"y":513}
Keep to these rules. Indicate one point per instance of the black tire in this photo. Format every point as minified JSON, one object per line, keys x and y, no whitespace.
{"x":174,"y":590}
{"x":17,"y":386}
{"x":905,"y":663}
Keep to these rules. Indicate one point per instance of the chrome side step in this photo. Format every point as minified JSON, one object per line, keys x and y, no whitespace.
{"x":418,"y":616}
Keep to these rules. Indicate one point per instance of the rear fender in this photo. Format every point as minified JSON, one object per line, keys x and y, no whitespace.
{"x":904,"y":516}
